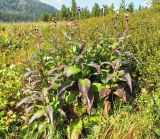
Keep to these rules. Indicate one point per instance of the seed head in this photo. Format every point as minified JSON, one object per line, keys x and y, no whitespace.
{"x":115,"y":26}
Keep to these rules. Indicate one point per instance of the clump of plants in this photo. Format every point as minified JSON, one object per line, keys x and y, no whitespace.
{"x":10,"y":94}
{"x":70,"y":83}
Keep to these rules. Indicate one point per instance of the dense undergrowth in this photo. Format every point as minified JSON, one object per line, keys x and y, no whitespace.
{"x":96,"y":78}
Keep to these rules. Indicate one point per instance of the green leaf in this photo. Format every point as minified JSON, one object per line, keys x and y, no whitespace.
{"x":55,"y":86}
{"x":55,"y":69}
{"x":114,"y":45}
{"x":68,"y":71}
{"x":62,"y":113}
{"x":49,"y":112}
{"x":64,"y":86}
{"x":109,"y":77}
{"x":74,"y":130}
{"x":96,"y":87}
{"x":24,"y":100}
{"x":71,"y":97}
{"x":103,"y":92}
{"x":84,"y":86}
{"x":87,"y":95}
{"x":121,"y":93}
{"x":37,"y":115}
{"x":128,"y":79}
{"x":116,"y":64}
{"x":157,"y":131}
{"x":96,"y":66}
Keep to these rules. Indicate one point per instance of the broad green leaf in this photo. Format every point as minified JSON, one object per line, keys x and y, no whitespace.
{"x":157,"y":131}
{"x":62,"y":113}
{"x":96,"y":87}
{"x":128,"y":79}
{"x":90,"y":100}
{"x":121,"y":93}
{"x":84,"y":86}
{"x":64,"y":86}
{"x":96,"y":66}
{"x":24,"y":100}
{"x":109,"y":77}
{"x":68,"y":71}
{"x":71,"y":97}
{"x":103,"y":92}
{"x":55,"y":86}
{"x":87,"y":95}
{"x":116,"y":64}
{"x":37,"y":115}
{"x":55,"y":69}
{"x":49,"y":112}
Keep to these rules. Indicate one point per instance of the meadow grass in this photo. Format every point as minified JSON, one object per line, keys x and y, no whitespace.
{"x":137,"y":119}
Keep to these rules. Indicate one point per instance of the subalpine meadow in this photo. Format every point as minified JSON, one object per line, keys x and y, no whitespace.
{"x":92,"y":78}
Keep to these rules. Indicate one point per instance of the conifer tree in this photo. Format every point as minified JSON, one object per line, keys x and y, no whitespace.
{"x":73,"y":8}
{"x":96,"y":10}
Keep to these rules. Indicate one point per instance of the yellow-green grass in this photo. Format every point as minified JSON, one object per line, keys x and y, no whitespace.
{"x":137,"y":120}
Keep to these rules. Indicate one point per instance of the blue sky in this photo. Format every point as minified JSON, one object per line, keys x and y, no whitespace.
{"x":89,"y":3}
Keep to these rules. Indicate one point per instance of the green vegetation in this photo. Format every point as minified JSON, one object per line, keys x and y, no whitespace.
{"x":92,"y":78}
{"x":23,"y":10}
{"x":67,"y":13}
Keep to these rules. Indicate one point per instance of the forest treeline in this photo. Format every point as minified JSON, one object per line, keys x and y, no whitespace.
{"x":34,"y":10}
{"x":23,"y":10}
{"x":67,"y":13}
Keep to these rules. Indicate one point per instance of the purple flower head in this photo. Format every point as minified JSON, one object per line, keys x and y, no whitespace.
{"x":78,"y":9}
{"x":127,"y":17}
{"x":54,"y":21}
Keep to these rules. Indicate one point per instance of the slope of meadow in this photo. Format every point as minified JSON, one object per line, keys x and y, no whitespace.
{"x":94,"y":78}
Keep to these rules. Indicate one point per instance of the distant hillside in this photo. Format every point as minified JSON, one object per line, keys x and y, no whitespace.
{"x":23,"y":10}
